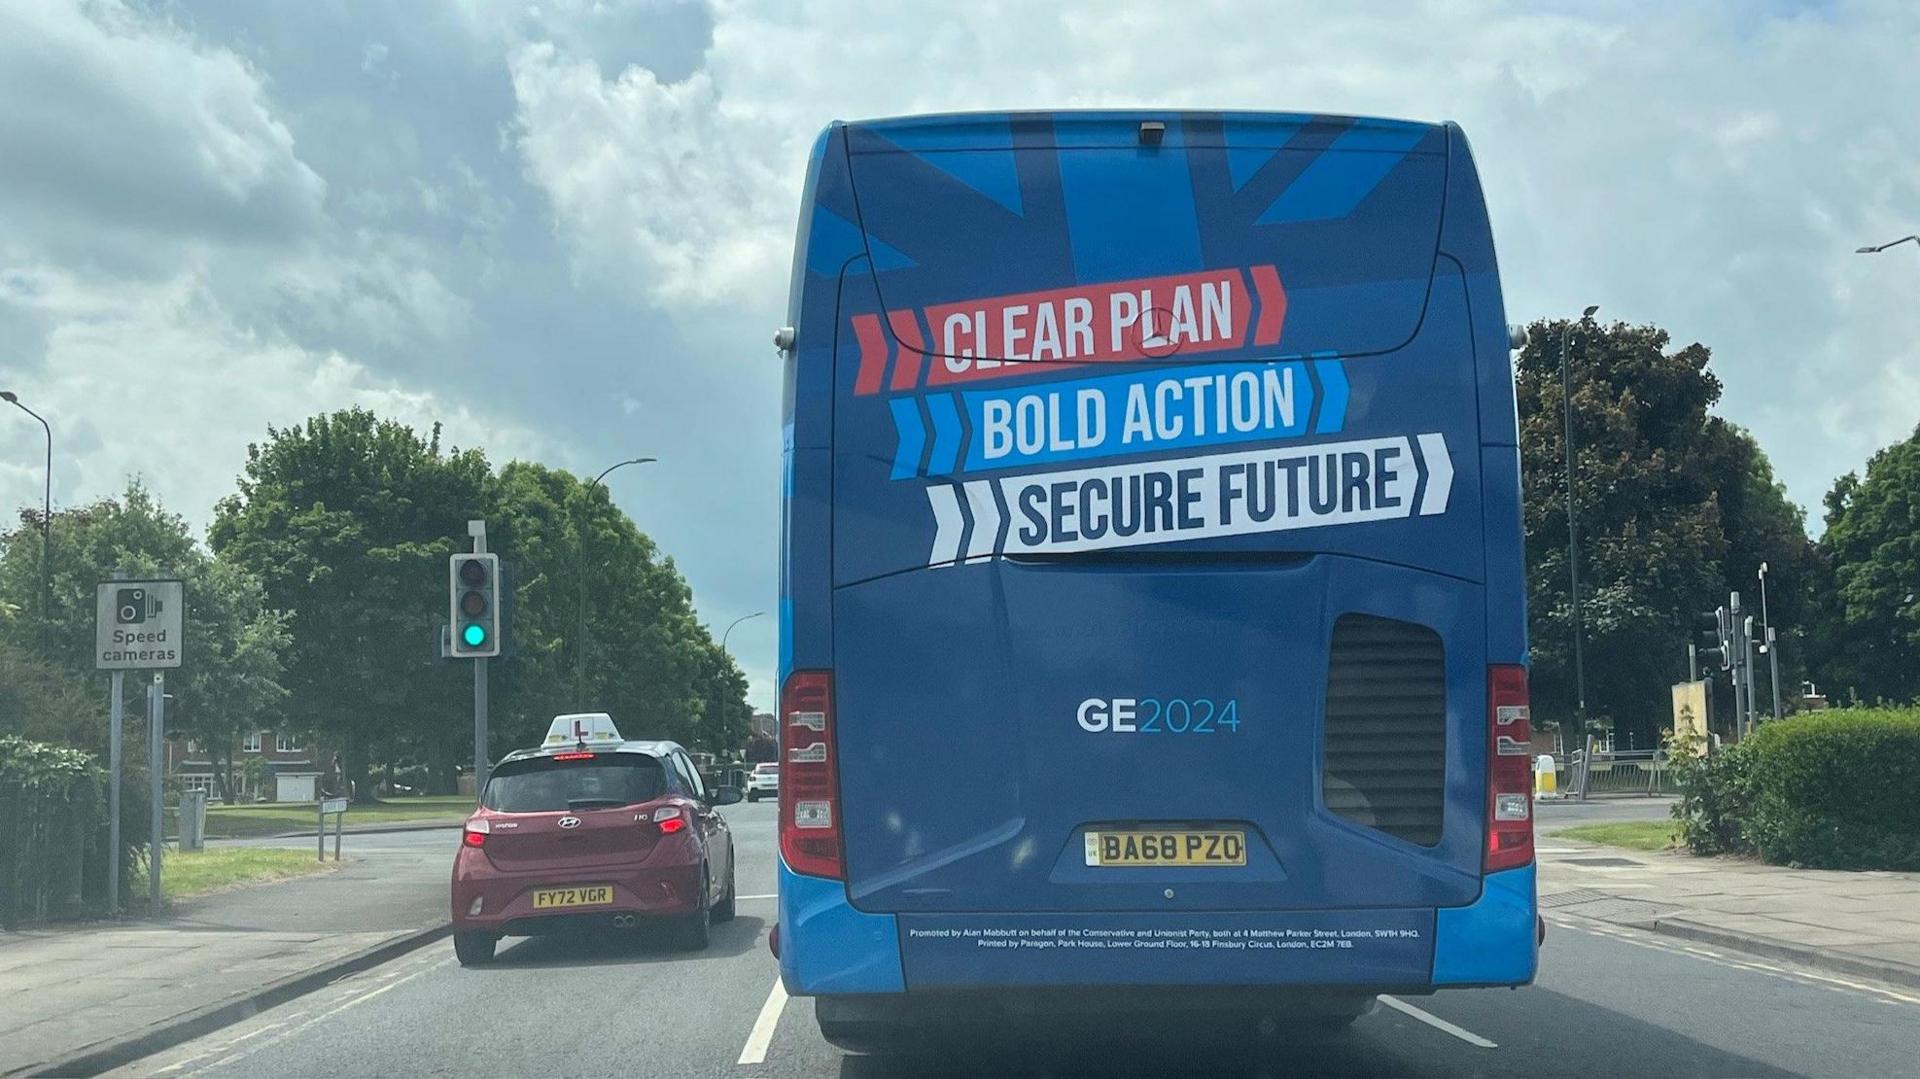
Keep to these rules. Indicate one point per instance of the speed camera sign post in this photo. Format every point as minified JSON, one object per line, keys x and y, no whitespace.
{"x":137,"y":627}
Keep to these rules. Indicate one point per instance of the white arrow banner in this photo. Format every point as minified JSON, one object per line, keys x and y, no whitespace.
{"x":1185,"y":498}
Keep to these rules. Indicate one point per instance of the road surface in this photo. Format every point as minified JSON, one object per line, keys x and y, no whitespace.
{"x":1608,"y":1003}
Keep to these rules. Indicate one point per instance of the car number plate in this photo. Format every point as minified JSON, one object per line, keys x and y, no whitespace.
{"x":1179,"y":847}
{"x":591,"y":895}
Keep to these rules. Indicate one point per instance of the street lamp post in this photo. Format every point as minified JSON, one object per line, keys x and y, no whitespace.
{"x":735,"y":622}
{"x":46,"y":520}
{"x":1877,"y":248}
{"x":1767,"y":641}
{"x":1573,"y":536}
{"x":580,"y":639}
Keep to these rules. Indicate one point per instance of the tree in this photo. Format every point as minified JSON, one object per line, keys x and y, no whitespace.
{"x":1870,"y":565}
{"x":1763,"y":526}
{"x":649,"y":662}
{"x":228,"y":681}
{"x":762,"y":748}
{"x":45,"y":703}
{"x":233,"y":684}
{"x":1674,"y":505}
{"x":348,"y":522}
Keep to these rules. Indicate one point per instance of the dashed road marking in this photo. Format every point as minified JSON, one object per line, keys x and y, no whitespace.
{"x":756,"y":897}
{"x":1437,"y":1023}
{"x":761,"y":1036}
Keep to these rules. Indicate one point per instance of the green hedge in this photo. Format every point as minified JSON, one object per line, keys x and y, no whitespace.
{"x":1834,"y":790}
{"x":51,"y":841}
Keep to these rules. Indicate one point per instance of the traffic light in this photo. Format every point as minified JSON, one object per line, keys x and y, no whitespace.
{"x":1717,"y":633}
{"x":473,"y":601}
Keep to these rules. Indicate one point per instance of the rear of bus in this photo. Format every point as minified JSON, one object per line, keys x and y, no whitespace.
{"x":1152,"y":601}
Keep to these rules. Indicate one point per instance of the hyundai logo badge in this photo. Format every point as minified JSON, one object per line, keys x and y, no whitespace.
{"x":569,"y":822}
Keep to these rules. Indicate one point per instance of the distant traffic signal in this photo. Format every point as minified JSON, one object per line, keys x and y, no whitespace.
{"x":473,"y":599}
{"x":1716,"y":631}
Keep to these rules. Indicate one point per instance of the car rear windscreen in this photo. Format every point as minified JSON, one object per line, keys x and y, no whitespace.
{"x":553,"y":785}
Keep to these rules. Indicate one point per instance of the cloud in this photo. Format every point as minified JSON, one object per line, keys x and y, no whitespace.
{"x":126,"y":138}
{"x":651,"y":179}
{"x":158,"y":381}
{"x":174,"y":277}
{"x":1706,"y":166}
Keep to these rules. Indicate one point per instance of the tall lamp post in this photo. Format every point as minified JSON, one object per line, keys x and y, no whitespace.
{"x":46,"y":520}
{"x":1767,"y":641}
{"x":1573,"y":536}
{"x":580,"y":639}
{"x":735,"y":622}
{"x":1877,"y":248}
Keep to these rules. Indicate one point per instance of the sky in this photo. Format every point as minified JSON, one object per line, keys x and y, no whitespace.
{"x":563,"y":229}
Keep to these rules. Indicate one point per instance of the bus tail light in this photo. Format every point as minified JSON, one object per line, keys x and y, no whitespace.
{"x":1509,"y":769}
{"x":809,"y":777}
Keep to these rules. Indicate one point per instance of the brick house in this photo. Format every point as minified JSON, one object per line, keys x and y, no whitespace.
{"x":291,"y":770}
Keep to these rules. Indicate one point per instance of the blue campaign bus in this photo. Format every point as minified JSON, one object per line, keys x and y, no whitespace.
{"x":1152,"y":619}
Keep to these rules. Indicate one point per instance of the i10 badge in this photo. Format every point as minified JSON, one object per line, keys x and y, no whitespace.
{"x":1151,"y":715}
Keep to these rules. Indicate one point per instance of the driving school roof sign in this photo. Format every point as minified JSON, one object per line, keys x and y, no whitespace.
{"x":137,"y":624}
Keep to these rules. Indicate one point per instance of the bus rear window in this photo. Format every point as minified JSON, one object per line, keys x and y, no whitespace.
{"x":549,"y":785}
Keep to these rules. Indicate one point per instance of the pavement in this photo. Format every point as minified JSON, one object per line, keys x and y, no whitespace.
{"x":75,"y":993}
{"x":1617,"y":994}
{"x":1865,"y":924}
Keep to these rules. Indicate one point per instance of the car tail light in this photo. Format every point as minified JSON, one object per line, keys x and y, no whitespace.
{"x":476,"y":832}
{"x":1509,"y":769}
{"x":809,"y":779}
{"x":669,"y":819}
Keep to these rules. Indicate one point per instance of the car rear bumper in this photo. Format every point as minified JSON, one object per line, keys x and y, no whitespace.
{"x":506,"y":899}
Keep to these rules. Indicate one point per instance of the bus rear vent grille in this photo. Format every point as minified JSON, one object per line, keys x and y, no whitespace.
{"x":1384,"y":763}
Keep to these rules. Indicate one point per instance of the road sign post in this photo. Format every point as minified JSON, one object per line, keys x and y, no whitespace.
{"x":137,"y":626}
{"x":156,"y":763}
{"x":337,"y":808}
{"x":118,"y":720}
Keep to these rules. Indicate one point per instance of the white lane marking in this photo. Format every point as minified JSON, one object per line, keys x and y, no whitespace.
{"x":774,"y":896}
{"x":293,"y":1026}
{"x":231,"y":1044}
{"x":761,"y":1036}
{"x":1437,"y":1023}
{"x":1672,"y":945}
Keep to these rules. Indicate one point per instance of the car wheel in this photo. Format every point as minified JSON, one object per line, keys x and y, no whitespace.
{"x":695,"y":931}
{"x":474,"y":949}
{"x":753,"y":796}
{"x":723,"y":911}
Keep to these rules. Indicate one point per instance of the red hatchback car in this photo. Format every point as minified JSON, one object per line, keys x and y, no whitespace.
{"x":591,"y":831}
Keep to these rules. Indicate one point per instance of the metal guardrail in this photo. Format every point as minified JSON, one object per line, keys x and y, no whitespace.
{"x":1595,"y":771}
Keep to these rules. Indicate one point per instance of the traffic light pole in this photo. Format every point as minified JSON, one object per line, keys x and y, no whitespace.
{"x":478,"y":530}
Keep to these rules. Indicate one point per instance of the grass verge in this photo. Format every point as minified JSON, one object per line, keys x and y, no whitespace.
{"x":191,"y":873}
{"x":242,"y":821}
{"x":1632,"y":834}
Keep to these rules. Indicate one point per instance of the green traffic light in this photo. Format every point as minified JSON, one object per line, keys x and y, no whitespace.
{"x":474,"y":635}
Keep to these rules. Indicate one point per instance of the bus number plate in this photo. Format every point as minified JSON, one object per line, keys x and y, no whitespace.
{"x":1176,"y":847}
